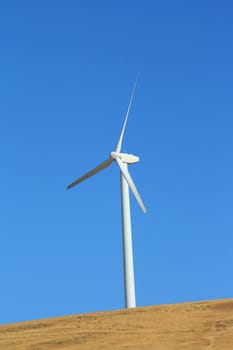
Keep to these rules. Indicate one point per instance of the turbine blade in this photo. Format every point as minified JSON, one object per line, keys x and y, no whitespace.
{"x":92,"y":172}
{"x":131,"y":184}
{"x":118,"y":147}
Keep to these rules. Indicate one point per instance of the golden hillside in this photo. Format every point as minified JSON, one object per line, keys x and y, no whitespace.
{"x":194,"y":326}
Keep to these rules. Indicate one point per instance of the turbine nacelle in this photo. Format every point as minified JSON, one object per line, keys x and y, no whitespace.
{"x":124,"y":157}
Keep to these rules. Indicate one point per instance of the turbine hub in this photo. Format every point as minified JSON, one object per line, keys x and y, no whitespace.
{"x":125,"y":157}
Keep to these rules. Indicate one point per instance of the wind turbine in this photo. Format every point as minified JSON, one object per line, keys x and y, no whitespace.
{"x":123,"y":159}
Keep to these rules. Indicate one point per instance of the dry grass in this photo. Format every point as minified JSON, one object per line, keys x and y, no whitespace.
{"x":194,"y":326}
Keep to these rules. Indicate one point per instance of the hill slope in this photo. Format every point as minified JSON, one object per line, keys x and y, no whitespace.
{"x":194,"y":326}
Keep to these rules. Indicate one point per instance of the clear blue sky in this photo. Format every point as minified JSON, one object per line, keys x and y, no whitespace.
{"x":67,"y":70}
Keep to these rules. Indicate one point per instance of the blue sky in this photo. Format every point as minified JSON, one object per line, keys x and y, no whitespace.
{"x":67,"y":70}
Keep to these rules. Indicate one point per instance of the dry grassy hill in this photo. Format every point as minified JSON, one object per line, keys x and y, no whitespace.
{"x":194,"y":326}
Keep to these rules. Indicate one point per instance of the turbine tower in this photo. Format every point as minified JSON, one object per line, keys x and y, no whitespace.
{"x":123,"y":159}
